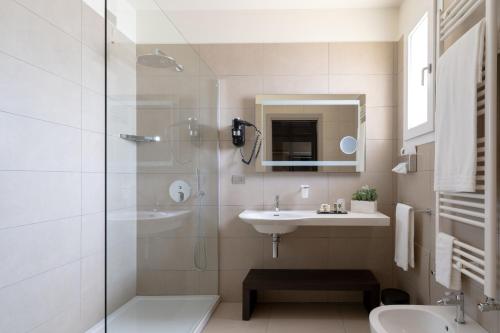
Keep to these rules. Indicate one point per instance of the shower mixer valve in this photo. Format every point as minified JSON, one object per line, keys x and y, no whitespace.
{"x":180,"y":191}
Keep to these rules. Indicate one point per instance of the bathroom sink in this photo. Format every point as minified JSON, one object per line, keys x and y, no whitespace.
{"x":419,"y":319}
{"x":150,"y":222}
{"x":270,"y":222}
{"x":286,"y":221}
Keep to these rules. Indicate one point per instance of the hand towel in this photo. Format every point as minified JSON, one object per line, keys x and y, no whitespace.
{"x":445,"y":273}
{"x":458,"y":72}
{"x":404,"y":254}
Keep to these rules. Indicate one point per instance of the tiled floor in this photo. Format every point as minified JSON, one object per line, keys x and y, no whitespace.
{"x":291,"y":318}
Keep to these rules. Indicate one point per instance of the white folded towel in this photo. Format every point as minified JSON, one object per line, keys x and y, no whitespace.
{"x":404,"y":254}
{"x":458,"y":72}
{"x":446,"y":274}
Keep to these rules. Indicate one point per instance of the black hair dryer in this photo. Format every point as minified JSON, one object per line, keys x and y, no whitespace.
{"x":238,"y":132}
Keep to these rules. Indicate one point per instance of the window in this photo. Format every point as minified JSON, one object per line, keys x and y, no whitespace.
{"x":419,"y":85}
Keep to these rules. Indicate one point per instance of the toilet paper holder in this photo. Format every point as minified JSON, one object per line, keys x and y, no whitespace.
{"x":407,"y":164}
{"x":411,"y":160}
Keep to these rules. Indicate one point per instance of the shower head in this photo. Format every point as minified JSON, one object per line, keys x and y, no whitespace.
{"x":159,"y":59}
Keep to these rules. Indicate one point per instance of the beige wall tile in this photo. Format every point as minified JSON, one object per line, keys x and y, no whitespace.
{"x":362,"y":58}
{"x":381,"y":123}
{"x":250,"y":193}
{"x":416,"y":190}
{"x":241,"y":253}
{"x":377,"y":88}
{"x":297,"y":253}
{"x":209,"y":282}
{"x":416,"y":281}
{"x":240,"y":91}
{"x":358,"y":253}
{"x":165,"y":282}
{"x":289,"y":189}
{"x":344,"y":185}
{"x":425,"y":157}
{"x":290,"y":84}
{"x":183,"y":91}
{"x":302,"y":68}
{"x":379,"y":156}
{"x":157,"y":253}
{"x":233,"y":59}
{"x":295,"y":59}
{"x":231,"y":285}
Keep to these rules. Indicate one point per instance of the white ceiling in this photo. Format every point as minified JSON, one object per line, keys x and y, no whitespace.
{"x":175,"y":5}
{"x":264,"y":21}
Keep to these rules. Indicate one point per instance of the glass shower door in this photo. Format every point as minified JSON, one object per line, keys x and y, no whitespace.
{"x":162,"y":175}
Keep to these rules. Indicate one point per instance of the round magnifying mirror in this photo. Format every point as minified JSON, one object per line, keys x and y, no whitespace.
{"x":348,"y":145}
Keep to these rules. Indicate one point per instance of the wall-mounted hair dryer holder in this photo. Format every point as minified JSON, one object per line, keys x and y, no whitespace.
{"x":238,"y":132}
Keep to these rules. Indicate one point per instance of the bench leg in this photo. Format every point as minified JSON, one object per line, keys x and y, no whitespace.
{"x":249,"y":302}
{"x":371,"y":298}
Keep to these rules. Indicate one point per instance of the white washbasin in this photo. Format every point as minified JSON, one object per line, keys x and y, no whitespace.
{"x":419,"y":319}
{"x":270,"y":222}
{"x":287,"y":221}
{"x":150,"y":222}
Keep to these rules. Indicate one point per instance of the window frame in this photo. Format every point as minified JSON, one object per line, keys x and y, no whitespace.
{"x":422,"y":133}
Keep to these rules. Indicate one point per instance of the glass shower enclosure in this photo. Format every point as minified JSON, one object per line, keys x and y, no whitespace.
{"x":161,"y":175}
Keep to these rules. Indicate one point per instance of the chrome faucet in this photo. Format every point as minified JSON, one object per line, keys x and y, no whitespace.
{"x":489,"y":305}
{"x":458,"y":299}
{"x":277,"y":205}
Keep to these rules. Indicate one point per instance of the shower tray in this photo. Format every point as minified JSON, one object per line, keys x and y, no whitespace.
{"x":160,"y":314}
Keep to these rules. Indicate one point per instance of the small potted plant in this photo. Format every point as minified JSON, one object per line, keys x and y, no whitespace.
{"x":364,"y":200}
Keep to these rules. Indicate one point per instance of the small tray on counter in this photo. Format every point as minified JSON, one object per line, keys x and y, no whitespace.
{"x":330,"y":212}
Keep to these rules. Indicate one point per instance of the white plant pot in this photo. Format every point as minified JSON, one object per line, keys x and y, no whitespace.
{"x":363,"y":206}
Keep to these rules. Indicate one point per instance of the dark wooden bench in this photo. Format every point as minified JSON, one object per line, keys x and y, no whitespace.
{"x":309,"y":279}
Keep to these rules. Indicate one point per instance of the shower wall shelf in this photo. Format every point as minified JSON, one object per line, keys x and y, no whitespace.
{"x":139,"y":138}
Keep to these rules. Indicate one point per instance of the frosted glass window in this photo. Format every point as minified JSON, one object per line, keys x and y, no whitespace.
{"x":417,"y":85}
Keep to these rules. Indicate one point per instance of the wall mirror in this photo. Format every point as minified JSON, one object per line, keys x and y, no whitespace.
{"x":311,"y":133}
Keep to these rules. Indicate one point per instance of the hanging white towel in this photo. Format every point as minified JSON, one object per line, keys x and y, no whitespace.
{"x":446,"y":274}
{"x":404,"y":254}
{"x":458,"y":72}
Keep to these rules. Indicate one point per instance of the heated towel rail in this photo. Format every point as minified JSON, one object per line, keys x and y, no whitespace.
{"x":478,"y":209}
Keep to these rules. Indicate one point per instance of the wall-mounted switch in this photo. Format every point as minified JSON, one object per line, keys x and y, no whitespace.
{"x":237,"y":179}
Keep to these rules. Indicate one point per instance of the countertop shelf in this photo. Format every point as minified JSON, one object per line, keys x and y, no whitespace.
{"x":312,"y":218}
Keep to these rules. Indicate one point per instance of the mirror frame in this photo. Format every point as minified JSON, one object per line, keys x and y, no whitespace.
{"x":358,"y":100}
